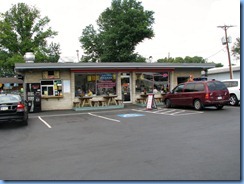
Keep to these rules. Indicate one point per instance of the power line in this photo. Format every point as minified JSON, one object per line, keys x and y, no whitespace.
{"x":215,"y":53}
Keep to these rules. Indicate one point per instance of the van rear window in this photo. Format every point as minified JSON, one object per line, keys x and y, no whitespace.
{"x":216,"y":85}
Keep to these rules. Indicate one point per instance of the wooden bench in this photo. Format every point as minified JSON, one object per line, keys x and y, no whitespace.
{"x":158,"y":99}
{"x":95,"y":102}
{"x":141,"y":100}
{"x":102,"y":102}
{"x":76,"y":104}
{"x":119,"y":101}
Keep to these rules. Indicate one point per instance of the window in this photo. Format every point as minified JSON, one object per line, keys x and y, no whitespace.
{"x":231,"y":83}
{"x":51,"y":88}
{"x":215,"y":85}
{"x":148,"y":81}
{"x":179,"y":88}
{"x":190,"y":87}
{"x":98,"y":83}
{"x":199,"y":87}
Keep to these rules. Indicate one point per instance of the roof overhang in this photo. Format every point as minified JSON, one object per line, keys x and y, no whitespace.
{"x":107,"y":67}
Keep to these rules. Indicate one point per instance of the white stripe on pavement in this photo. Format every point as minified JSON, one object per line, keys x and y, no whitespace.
{"x":103,"y":117}
{"x":44,"y":122}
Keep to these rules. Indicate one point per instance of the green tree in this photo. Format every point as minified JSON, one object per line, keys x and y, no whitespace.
{"x":90,"y":43}
{"x":218,"y":65}
{"x":166,"y":60}
{"x":187,"y":59}
{"x":23,"y":30}
{"x":236,"y":49}
{"x":120,"y":28}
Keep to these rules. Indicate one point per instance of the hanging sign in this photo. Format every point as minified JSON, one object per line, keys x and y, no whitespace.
{"x":151,"y":104}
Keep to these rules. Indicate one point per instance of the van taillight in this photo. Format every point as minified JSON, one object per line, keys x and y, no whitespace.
{"x":20,"y":107}
{"x":207,"y":96}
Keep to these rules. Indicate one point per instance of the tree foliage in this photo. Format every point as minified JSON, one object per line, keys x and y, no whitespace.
{"x":23,"y":30}
{"x":187,"y":59}
{"x":236,"y":49}
{"x":120,"y":28}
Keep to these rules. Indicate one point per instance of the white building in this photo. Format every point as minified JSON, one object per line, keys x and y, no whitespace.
{"x":223,"y":73}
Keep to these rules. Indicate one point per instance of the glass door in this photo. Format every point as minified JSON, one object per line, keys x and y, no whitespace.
{"x":125,"y":87}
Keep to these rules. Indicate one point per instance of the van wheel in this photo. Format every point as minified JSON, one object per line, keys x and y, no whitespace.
{"x":219,"y":107}
{"x":198,"y":105}
{"x":168,"y":103}
{"x":233,"y":100}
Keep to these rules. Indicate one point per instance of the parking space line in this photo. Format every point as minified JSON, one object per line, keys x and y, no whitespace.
{"x":104,"y":117}
{"x":44,"y":122}
{"x":187,"y":113}
{"x":172,"y":112}
{"x":178,"y":112}
{"x":159,"y":111}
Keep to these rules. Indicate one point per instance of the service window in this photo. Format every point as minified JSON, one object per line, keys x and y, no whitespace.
{"x":51,"y":88}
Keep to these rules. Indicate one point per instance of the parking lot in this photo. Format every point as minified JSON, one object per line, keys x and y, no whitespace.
{"x":124,"y":144}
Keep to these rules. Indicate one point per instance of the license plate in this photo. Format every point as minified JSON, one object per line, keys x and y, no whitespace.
{"x":219,"y":98}
{"x":4,"y":108}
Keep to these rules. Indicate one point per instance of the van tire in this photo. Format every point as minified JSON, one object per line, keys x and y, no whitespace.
{"x":219,"y":107}
{"x":233,"y":100}
{"x":198,"y":105}
{"x":168,"y":103}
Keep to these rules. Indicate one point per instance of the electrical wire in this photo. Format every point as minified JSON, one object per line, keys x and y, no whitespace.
{"x":215,"y":53}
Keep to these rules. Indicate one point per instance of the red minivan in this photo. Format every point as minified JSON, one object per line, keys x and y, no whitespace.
{"x":198,"y":94}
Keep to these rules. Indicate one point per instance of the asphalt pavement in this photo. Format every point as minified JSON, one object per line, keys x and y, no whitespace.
{"x":130,"y":144}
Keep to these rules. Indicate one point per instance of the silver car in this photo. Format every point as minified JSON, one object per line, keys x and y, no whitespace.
{"x":234,"y":87}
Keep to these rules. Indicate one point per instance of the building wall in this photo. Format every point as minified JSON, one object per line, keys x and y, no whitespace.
{"x":69,"y":97}
{"x":224,"y":75}
{"x":54,"y":103}
{"x":182,"y":73}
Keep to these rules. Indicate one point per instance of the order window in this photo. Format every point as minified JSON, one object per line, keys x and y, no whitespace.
{"x":51,"y":88}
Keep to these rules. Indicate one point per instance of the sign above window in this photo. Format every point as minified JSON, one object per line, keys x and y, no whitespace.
{"x":50,"y":75}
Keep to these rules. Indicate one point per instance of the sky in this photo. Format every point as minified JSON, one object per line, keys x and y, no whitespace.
{"x":182,"y":27}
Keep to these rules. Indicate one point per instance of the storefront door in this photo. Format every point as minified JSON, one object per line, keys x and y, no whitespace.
{"x":125,"y":87}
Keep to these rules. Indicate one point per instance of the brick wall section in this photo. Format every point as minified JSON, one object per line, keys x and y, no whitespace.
{"x":68,"y":98}
{"x":54,"y":104}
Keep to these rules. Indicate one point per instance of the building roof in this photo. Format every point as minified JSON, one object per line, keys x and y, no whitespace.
{"x":223,"y":69}
{"x":10,"y":80}
{"x":111,"y":66}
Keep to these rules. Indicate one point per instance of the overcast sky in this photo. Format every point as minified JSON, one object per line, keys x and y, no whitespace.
{"x":182,"y":27}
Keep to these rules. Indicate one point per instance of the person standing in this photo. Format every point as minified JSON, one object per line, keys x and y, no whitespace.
{"x":155,"y":90}
{"x":163,"y":91}
{"x":190,"y":78}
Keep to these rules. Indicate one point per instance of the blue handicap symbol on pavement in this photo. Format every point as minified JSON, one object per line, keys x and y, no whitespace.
{"x":130,"y":115}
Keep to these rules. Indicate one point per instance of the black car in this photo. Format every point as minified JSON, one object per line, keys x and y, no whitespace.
{"x":13,"y":108}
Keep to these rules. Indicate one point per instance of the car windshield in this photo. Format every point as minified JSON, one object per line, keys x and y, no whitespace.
{"x":9,"y":98}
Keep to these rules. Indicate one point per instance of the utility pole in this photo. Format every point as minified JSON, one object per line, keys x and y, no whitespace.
{"x":225,"y":27}
{"x":78,"y":57}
